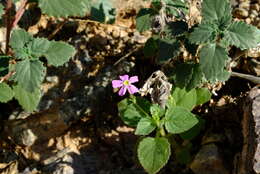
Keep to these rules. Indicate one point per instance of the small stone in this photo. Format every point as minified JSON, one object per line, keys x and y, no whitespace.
{"x":209,"y":161}
{"x":255,"y":7}
{"x":244,"y":5}
{"x":248,"y":20}
{"x":240,"y":13}
{"x":254,"y":12}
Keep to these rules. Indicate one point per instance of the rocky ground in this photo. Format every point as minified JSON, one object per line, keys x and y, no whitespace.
{"x":76,"y":129}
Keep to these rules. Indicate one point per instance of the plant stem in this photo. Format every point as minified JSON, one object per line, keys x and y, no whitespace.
{"x":8,"y":24}
{"x":19,"y":13}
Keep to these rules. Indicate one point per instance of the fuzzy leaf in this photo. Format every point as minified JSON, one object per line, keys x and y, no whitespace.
{"x":65,"y":8}
{"x":29,"y":74}
{"x":241,"y":35}
{"x":218,"y":11}
{"x":179,"y":120}
{"x":168,"y":48}
{"x":145,"y":126}
{"x":150,"y":47}
{"x":59,"y":53}
{"x":39,"y":46}
{"x":29,"y":101}
{"x":153,"y":153}
{"x":20,"y":38}
{"x":194,"y":131}
{"x":176,"y":28}
{"x":212,"y":60}
{"x":103,"y":11}
{"x":144,"y":19}
{"x":6,"y":93}
{"x":187,"y":75}
{"x":204,"y":33}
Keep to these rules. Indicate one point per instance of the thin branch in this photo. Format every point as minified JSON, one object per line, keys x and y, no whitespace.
{"x":19,"y":13}
{"x":8,"y":24}
{"x":126,"y":56}
{"x":58,"y":28}
{"x":7,"y":76}
{"x":251,"y":78}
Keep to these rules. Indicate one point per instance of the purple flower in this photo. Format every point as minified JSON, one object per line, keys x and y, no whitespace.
{"x":125,"y":83}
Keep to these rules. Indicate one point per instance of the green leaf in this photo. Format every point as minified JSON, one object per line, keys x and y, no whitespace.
{"x":144,"y":19}
{"x":145,"y":126}
{"x":168,"y":48}
{"x":38,"y":47}
{"x":153,"y":153}
{"x":203,"y":95}
{"x":29,"y":101}
{"x":65,"y":8}
{"x":103,"y":11}
{"x":4,"y":63}
{"x":6,"y":93}
{"x":1,"y":10}
{"x":29,"y":74}
{"x":187,"y":75}
{"x":177,"y":8}
{"x":157,"y":110}
{"x":241,"y":35}
{"x":176,"y":28}
{"x":218,"y":11}
{"x":19,"y":39}
{"x":150,"y":47}
{"x":183,"y":98}
{"x":205,"y":32}
{"x":59,"y":53}
{"x":212,"y":61}
{"x":179,"y":119}
{"x":194,"y":131}
{"x":130,"y":113}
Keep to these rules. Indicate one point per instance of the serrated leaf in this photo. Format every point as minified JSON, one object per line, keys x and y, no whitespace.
{"x":130,"y":113}
{"x":203,"y":96}
{"x":168,"y":48}
{"x":241,"y":35}
{"x":179,"y":119}
{"x":59,"y":53}
{"x":204,"y":33}
{"x":103,"y":11}
{"x":144,"y":19}
{"x":150,"y":47}
{"x":6,"y":93}
{"x":153,"y":153}
{"x":29,"y":101}
{"x":218,"y":11}
{"x":29,"y":74}
{"x":187,"y":75}
{"x":19,"y":39}
{"x":145,"y":126}
{"x":176,"y":28}
{"x":38,"y":47}
{"x":177,"y":8}
{"x":212,"y":61}
{"x":185,"y":99}
{"x":65,"y":8}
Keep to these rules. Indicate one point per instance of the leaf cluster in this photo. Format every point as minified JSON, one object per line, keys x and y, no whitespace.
{"x":29,"y":70}
{"x":154,"y":152}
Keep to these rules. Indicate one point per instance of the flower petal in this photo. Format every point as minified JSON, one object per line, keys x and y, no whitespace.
{"x":133,"y":79}
{"x":124,"y":77}
{"x":122,"y":91}
{"x":117,"y":83}
{"x":132,"y":89}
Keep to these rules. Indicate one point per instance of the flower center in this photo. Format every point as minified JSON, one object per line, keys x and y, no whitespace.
{"x":126,"y":83}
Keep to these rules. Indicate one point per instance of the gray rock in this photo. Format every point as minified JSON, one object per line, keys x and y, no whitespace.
{"x":209,"y":161}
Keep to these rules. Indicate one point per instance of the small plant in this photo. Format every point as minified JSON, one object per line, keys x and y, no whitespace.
{"x":21,"y":70}
{"x":159,"y":125}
